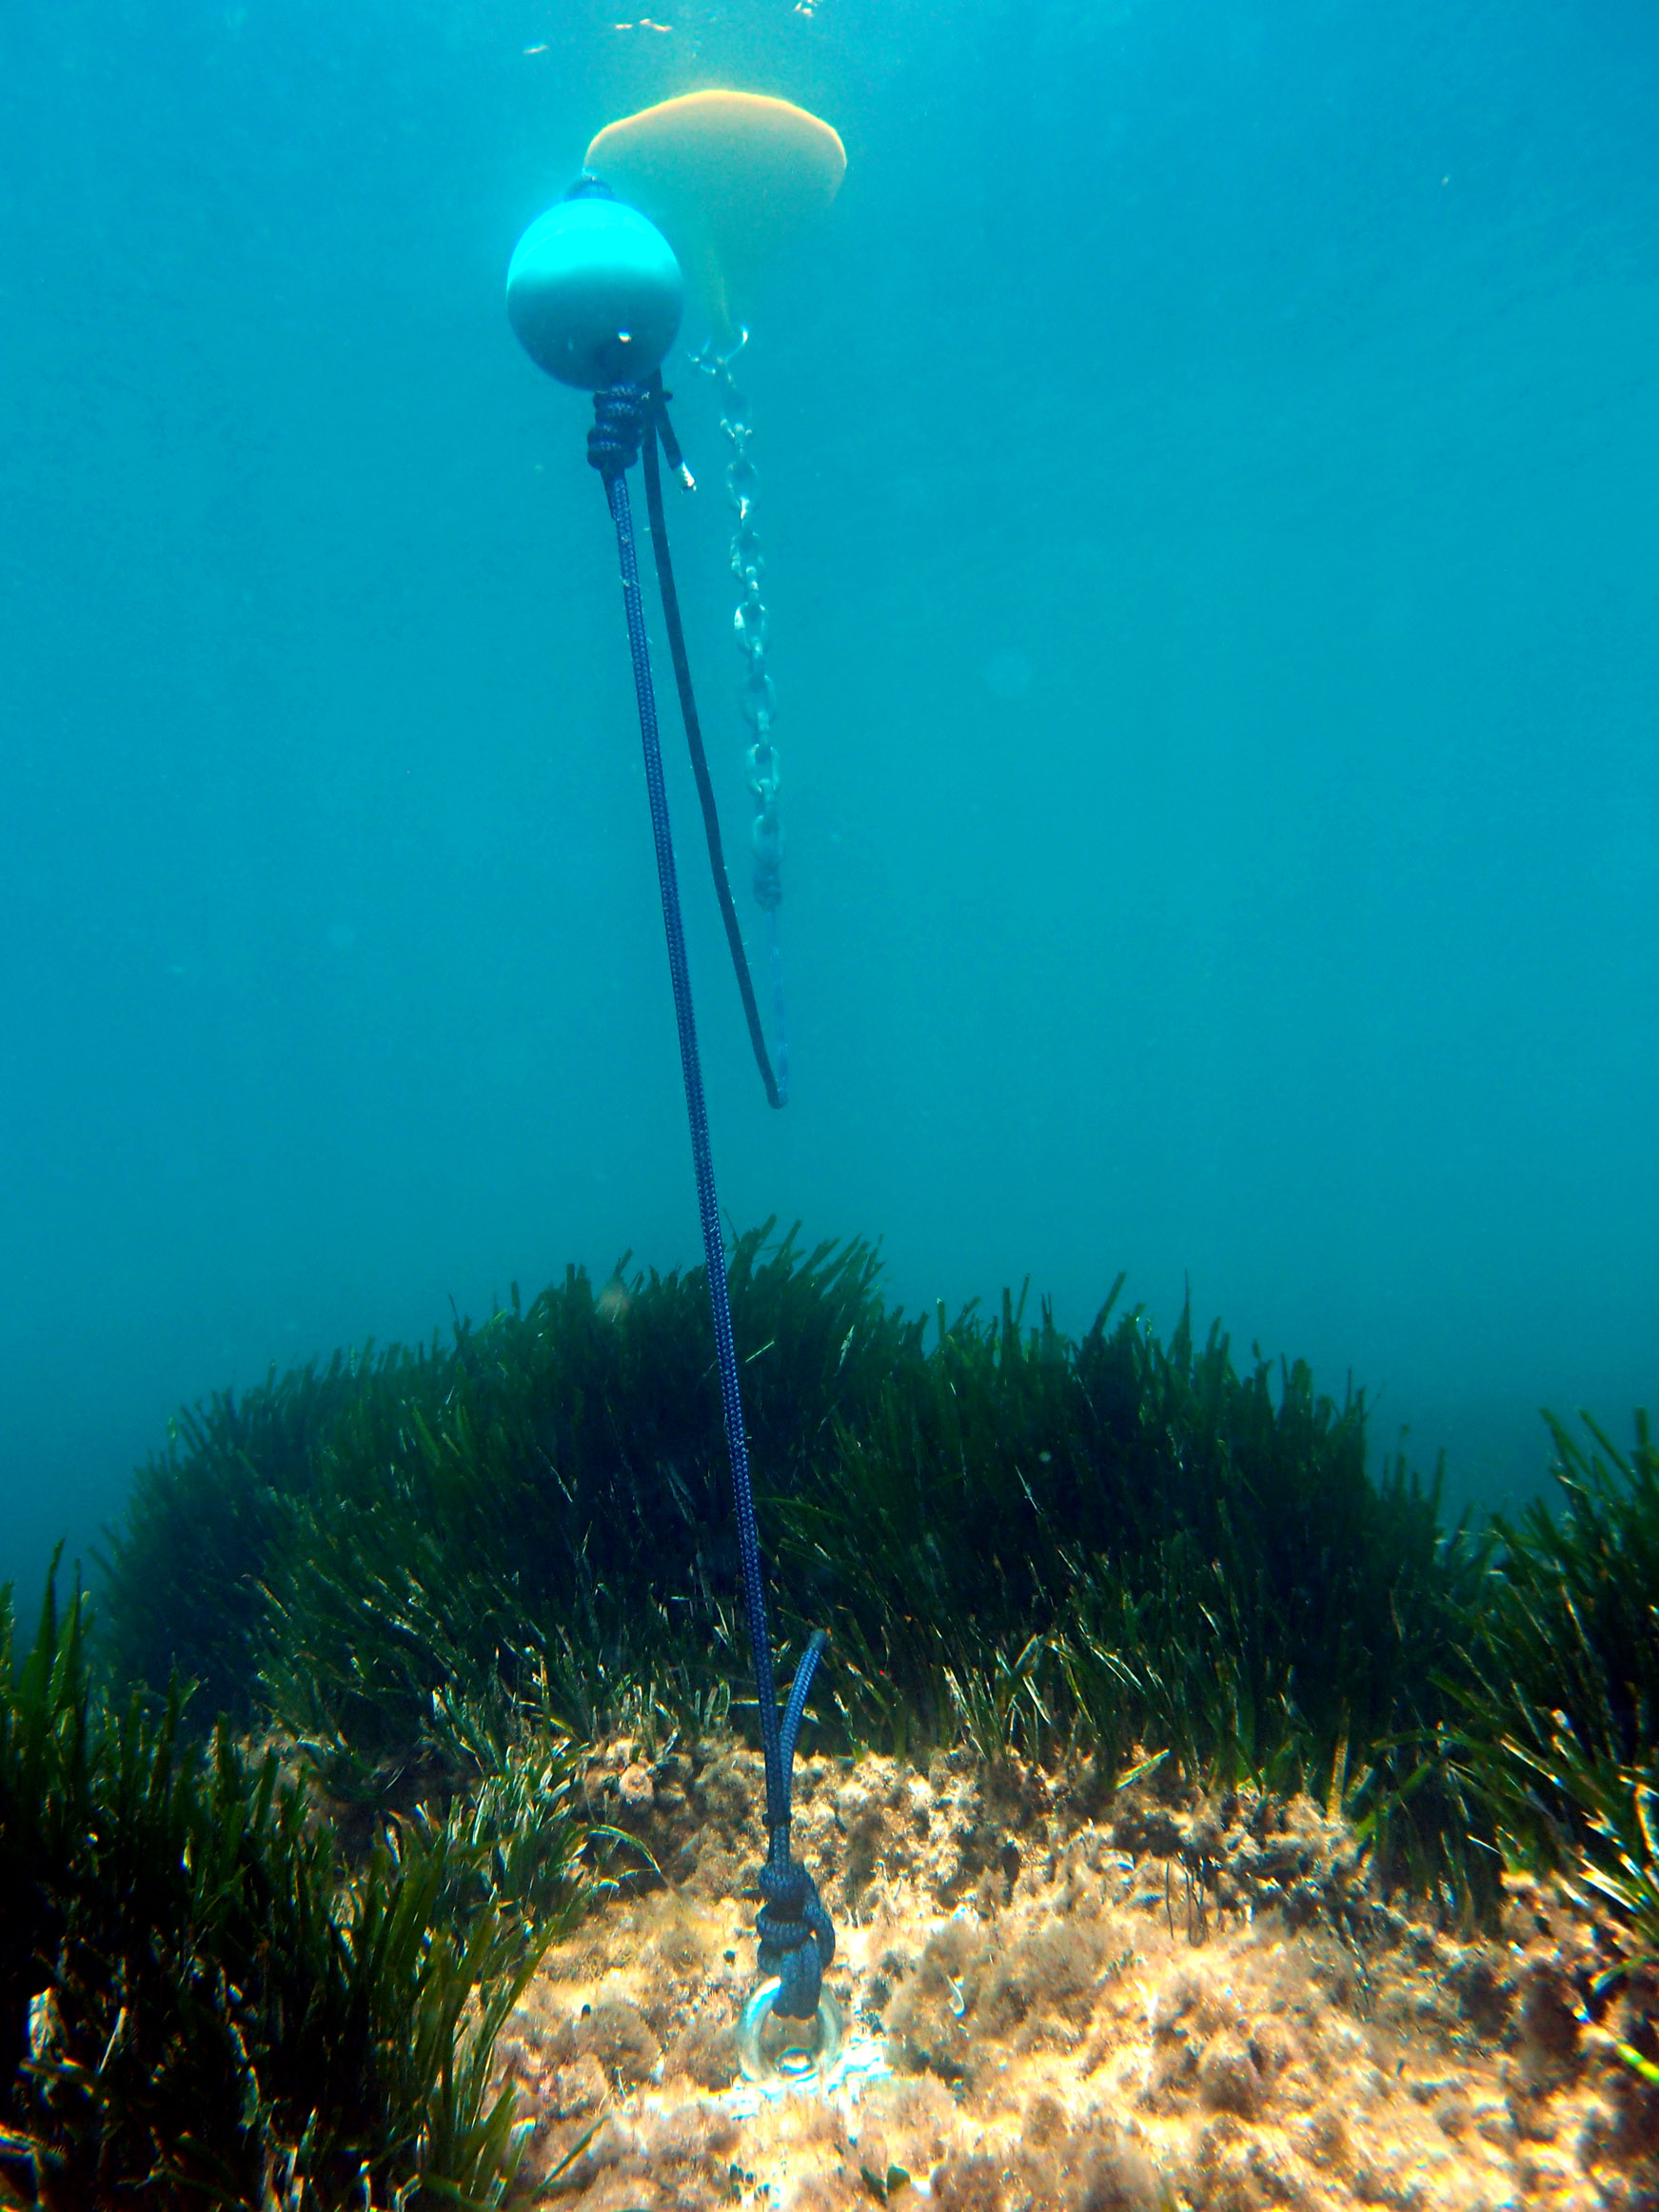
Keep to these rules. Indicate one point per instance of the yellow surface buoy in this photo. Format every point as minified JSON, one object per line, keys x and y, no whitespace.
{"x":729,"y":176}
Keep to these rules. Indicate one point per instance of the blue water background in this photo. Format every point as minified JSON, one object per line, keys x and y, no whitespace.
{"x":1211,"y":476}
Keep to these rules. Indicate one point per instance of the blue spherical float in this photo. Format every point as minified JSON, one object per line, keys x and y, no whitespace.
{"x":594,"y":292}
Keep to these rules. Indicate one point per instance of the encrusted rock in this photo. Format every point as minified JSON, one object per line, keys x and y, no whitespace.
{"x":1229,"y":2078}
{"x":577,"y":2089}
{"x":636,"y":1789}
{"x":705,"y":2053}
{"x":619,"y":2036}
{"x":968,"y":2184}
{"x":1118,"y":2177}
{"x":1090,"y":2006}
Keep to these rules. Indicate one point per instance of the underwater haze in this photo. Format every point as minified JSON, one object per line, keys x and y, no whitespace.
{"x":1210,"y":478}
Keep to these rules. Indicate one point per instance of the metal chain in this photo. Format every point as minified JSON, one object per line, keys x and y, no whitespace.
{"x":757,"y":699}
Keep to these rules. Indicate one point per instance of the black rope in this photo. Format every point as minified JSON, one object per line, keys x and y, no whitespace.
{"x":777,"y":1090}
{"x":796,"y":1940}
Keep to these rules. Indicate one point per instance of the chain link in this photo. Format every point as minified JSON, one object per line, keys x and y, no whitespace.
{"x":757,"y":698}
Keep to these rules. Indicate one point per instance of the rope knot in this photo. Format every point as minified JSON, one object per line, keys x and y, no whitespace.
{"x":621,"y":414}
{"x":796,"y":1940}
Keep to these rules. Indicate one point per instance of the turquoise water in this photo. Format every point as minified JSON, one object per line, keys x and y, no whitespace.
{"x":1210,"y":477}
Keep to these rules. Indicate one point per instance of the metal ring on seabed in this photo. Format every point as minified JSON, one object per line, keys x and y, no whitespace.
{"x":803,"y":2057}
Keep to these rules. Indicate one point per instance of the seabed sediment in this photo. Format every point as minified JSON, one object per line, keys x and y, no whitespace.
{"x":1058,"y":1995}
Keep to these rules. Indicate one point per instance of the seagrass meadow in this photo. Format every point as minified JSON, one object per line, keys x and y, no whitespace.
{"x":291,"y":1808}
{"x":1066,"y":595}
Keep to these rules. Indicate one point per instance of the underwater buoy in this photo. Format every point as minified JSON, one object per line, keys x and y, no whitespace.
{"x":798,"y":2053}
{"x":729,"y":177}
{"x":594,"y":292}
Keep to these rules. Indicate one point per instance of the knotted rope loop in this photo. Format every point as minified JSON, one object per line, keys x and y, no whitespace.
{"x":622,"y":414}
{"x":796,"y":1940}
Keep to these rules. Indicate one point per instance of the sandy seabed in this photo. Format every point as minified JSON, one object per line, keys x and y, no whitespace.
{"x":1046,"y":2008}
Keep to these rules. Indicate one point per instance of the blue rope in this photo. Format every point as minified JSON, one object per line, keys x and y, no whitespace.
{"x":777,"y":1088}
{"x":796,"y":1940}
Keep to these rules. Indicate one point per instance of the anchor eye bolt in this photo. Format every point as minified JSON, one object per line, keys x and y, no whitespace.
{"x":795,"y":2052}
